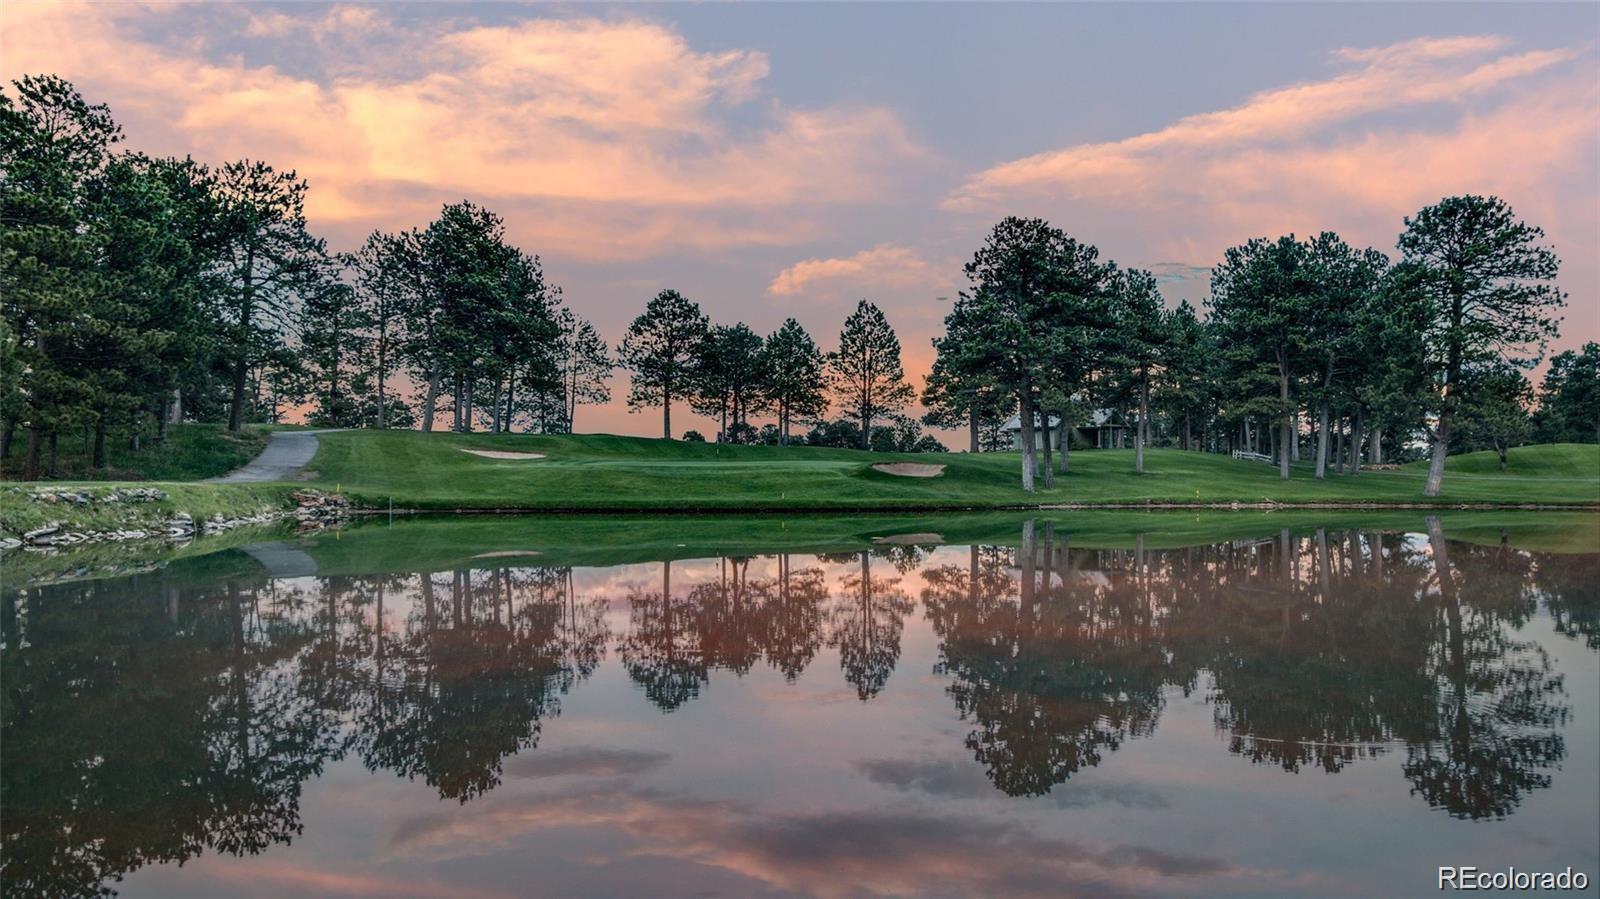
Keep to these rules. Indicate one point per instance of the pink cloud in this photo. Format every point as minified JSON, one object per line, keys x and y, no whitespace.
{"x":621,"y":131}
{"x":1413,"y":73}
{"x":882,"y":265}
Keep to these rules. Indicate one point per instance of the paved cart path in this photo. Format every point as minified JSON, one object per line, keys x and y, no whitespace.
{"x":287,"y":452}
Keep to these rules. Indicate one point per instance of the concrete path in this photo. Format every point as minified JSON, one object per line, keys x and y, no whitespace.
{"x":287,"y":452}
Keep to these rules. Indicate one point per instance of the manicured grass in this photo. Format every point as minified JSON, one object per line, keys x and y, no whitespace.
{"x":1579,"y":461}
{"x":190,"y":452}
{"x":604,"y":472}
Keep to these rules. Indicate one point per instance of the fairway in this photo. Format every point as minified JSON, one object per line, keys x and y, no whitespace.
{"x":605,"y":472}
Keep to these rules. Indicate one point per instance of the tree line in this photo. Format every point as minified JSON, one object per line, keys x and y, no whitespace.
{"x":729,"y":373}
{"x":142,"y":291}
{"x":1304,"y":346}
{"x":139,"y":292}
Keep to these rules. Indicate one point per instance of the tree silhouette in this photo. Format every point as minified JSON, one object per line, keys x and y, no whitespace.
{"x":865,"y":624}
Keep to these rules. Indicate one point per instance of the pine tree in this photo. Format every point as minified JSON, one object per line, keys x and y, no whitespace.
{"x":865,"y":372}
{"x":796,"y":376}
{"x":660,"y":350}
{"x":1492,"y":291}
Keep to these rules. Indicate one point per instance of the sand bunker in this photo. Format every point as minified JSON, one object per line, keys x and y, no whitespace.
{"x":909,"y":469}
{"x":501,"y":554}
{"x":502,"y":454}
{"x":910,"y":539}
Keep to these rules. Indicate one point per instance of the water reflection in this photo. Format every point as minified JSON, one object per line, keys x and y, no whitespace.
{"x":151,"y":718}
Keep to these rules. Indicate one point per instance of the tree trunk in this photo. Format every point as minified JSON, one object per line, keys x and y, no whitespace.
{"x":467,"y":415}
{"x":30,"y":468}
{"x":511,"y":396}
{"x":236,"y":409}
{"x":430,"y":401}
{"x":1355,"y":443}
{"x":1025,"y":419}
{"x":1322,"y":438}
{"x":666,"y":411}
{"x":247,"y":301}
{"x":1066,"y":447}
{"x":1500,"y":448}
{"x":1344,"y":443}
{"x":972,"y":429}
{"x":1049,"y":473}
{"x":100,"y":440}
{"x":1141,"y":434}
{"x":1441,"y":446}
{"x":1294,"y":430}
{"x":1375,"y":451}
{"x":383,"y":365}
{"x":7,"y":434}
{"x":1283,"y":427}
{"x":55,"y":455}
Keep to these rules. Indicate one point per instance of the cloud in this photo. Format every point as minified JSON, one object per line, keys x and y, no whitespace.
{"x":951,"y":779}
{"x":585,"y":761}
{"x":604,"y":138}
{"x":340,"y":20}
{"x":904,"y":852}
{"x":1156,"y":164}
{"x":885,"y":265}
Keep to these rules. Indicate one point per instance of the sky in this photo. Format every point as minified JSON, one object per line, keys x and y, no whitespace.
{"x":776,"y":160}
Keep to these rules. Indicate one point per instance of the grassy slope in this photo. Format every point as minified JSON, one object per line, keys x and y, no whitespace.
{"x":191,"y":452}
{"x":19,"y":514}
{"x":428,"y":471}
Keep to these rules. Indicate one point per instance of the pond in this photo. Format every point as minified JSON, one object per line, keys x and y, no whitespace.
{"x":1107,"y":704}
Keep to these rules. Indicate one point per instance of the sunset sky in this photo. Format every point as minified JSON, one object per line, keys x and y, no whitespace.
{"x":775,"y":160}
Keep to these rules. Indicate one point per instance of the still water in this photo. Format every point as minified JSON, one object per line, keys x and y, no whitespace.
{"x":996,"y":706}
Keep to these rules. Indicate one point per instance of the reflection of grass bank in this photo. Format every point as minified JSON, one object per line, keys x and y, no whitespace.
{"x":437,"y":543}
{"x":603,"y":472}
{"x":19,"y":513}
{"x":26,"y":568}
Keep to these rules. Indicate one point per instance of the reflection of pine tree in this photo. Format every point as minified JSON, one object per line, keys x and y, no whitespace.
{"x":470,"y":682}
{"x":794,"y":622}
{"x":1051,"y":674}
{"x":731,"y":612}
{"x":865,"y":625}
{"x":662,"y":650}
{"x":147,"y":720}
{"x":1498,"y":714}
{"x":1315,"y":649}
{"x":1569,"y":585}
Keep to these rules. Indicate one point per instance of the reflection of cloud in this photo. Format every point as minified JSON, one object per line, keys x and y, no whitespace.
{"x":613,"y":137}
{"x":585,"y":761}
{"x":948,"y":779}
{"x":902,"y":853}
{"x":260,"y":872}
{"x":884,"y":265}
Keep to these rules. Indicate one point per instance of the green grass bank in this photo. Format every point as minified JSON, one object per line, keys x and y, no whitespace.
{"x":627,"y":474}
{"x":411,"y":471}
{"x":190,"y":452}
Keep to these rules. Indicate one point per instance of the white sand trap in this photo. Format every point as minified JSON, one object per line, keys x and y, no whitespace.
{"x":501,"y":554}
{"x":910,"y":539}
{"x":909,"y":469}
{"x":502,"y":454}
